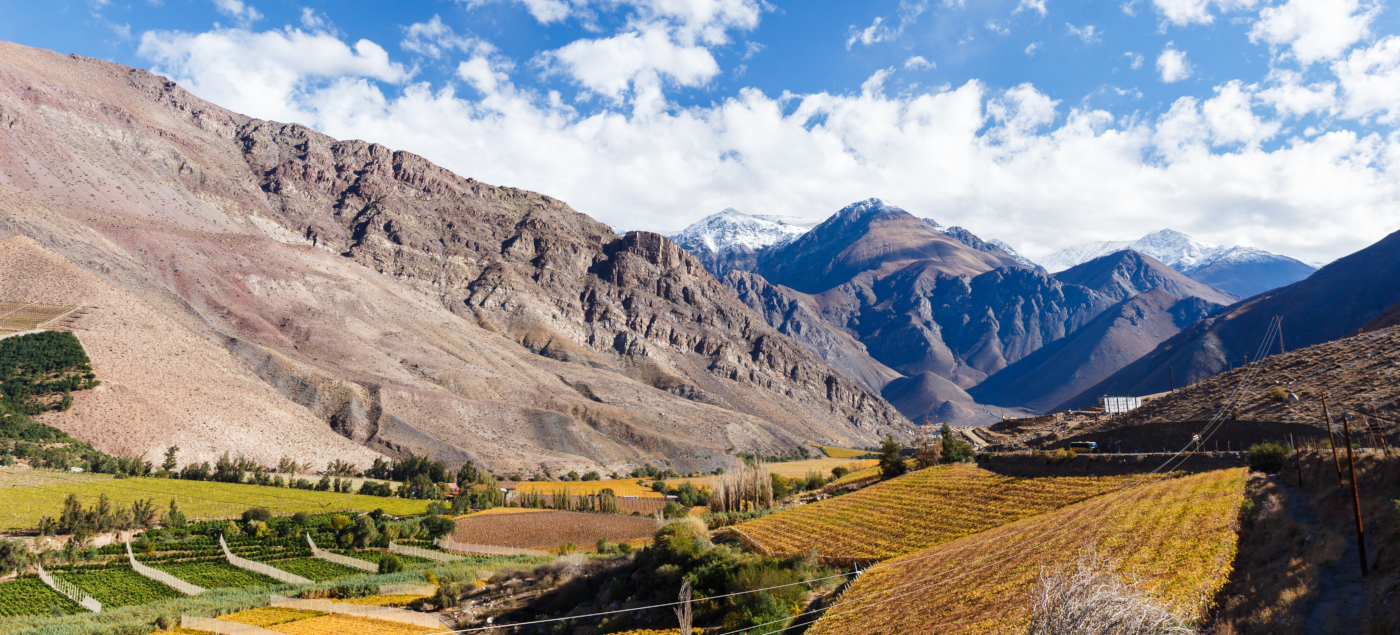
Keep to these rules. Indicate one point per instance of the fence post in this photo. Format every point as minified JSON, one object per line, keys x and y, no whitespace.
{"x":1355,"y":497}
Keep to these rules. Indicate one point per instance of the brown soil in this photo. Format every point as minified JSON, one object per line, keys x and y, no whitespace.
{"x":547,"y":530}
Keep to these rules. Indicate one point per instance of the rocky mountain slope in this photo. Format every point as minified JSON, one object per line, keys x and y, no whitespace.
{"x":731,"y":240}
{"x":1332,"y":303}
{"x":1124,"y":274}
{"x":402,"y":306}
{"x":1243,"y":271}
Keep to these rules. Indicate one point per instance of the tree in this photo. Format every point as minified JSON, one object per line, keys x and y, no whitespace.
{"x":170,"y":463}
{"x":14,"y":556}
{"x":467,"y":476}
{"x":891,"y":463}
{"x":927,"y":453}
{"x":174,"y":518}
{"x":954,"y":451}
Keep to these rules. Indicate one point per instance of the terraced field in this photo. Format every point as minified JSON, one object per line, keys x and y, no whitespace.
{"x":842,"y":453}
{"x":118,"y":587}
{"x":198,"y":499}
{"x":24,"y":316}
{"x":313,"y":569}
{"x":914,"y":511}
{"x":216,"y":575}
{"x":344,"y":624}
{"x":29,"y":596}
{"x":1176,"y":535}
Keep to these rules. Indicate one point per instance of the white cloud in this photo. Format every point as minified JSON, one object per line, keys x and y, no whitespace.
{"x":1185,"y":12}
{"x":1291,"y":98}
{"x":1173,"y":65}
{"x":435,"y":39}
{"x":918,"y":63}
{"x":270,"y":73}
{"x":1088,"y":33}
{"x":702,"y":20}
{"x":1009,"y":164}
{"x":1231,"y":117}
{"x":122,"y":31}
{"x":1031,"y":5}
{"x":610,"y":66}
{"x":245,"y":14}
{"x":1370,"y":81}
{"x":1314,"y":30}
{"x":310,"y":20}
{"x":1134,"y":60}
{"x":997,"y":28}
{"x":1033,"y":47}
{"x":871,"y":34}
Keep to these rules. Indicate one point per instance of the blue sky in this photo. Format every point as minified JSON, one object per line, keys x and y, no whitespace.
{"x":1041,"y":122}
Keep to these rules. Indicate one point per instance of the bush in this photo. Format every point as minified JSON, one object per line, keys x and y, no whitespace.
{"x":1267,"y":457}
{"x":390,"y":564}
{"x":838,"y":472}
{"x":260,"y":514}
{"x":1278,"y":393}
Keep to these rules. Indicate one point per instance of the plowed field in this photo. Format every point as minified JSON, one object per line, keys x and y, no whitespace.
{"x":546,"y":530}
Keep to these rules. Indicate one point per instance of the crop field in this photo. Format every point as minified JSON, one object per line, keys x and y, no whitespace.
{"x":625,"y":487}
{"x":841,"y":453}
{"x":342,"y":624}
{"x":914,"y":511}
{"x":799,"y":469}
{"x":370,"y":555}
{"x":29,"y":596}
{"x":494,"y":511}
{"x":198,"y":499}
{"x":546,"y":530}
{"x":269,"y":616}
{"x":313,"y":569}
{"x":24,"y":316}
{"x":25,"y":477}
{"x":385,"y":600}
{"x":1177,"y":536}
{"x":216,"y":575}
{"x":116,"y":587}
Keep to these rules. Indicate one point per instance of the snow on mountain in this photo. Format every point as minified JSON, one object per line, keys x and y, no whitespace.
{"x":1014,"y":254}
{"x":732,"y":229}
{"x":1175,"y":249}
{"x":1080,"y":254}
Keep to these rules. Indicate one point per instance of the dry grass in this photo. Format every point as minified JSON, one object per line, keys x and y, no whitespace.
{"x":841,"y":453}
{"x":1176,"y":535}
{"x":624,"y":487}
{"x":1089,"y":597}
{"x":347,"y":624}
{"x":269,"y":616}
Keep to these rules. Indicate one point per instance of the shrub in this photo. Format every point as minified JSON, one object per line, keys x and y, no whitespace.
{"x":1090,"y":598}
{"x":390,"y":564}
{"x":261,"y":514}
{"x":1267,"y":457}
{"x":838,"y":472}
{"x":1278,"y":393}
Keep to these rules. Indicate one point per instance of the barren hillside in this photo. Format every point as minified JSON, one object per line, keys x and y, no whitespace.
{"x":402,"y":306}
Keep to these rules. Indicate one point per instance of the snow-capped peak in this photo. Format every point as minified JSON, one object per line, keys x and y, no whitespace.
{"x":732,"y":229}
{"x":1012,"y":252}
{"x":867,"y":205}
{"x":1178,"y":251}
{"x":1080,"y":254}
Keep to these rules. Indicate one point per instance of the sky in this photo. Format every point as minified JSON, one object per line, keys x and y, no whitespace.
{"x":1044,"y":123}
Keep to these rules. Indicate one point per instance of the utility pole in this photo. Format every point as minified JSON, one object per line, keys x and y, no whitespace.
{"x":1172,"y":376}
{"x":1297,"y":460}
{"x":1281,"y":349}
{"x":1332,"y":438}
{"x":1355,"y":496}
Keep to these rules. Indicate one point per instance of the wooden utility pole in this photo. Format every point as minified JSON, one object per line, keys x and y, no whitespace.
{"x":1355,"y":498}
{"x":1297,"y":460}
{"x":1172,"y":375}
{"x":1332,"y":438}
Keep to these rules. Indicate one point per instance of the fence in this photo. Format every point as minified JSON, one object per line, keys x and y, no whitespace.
{"x":361,"y":610}
{"x":70,"y":591}
{"x":422,"y":553}
{"x":219,"y":626}
{"x":258,"y":567}
{"x":407,"y":589}
{"x":353,"y":563}
{"x":488,"y":550}
{"x":161,"y":576}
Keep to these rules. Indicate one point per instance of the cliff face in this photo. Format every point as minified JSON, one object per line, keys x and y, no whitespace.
{"x":405,"y":307}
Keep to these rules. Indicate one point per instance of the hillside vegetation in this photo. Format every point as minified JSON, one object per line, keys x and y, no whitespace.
{"x":915,"y":511}
{"x":1177,"y":536}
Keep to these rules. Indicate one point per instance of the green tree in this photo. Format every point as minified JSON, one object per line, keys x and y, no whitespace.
{"x":954,"y":451}
{"x":891,"y":463}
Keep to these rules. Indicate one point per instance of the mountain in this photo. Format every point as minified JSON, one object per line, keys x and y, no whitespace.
{"x":870,"y":239}
{"x":1334,"y":302}
{"x":1068,"y":366}
{"x":995,"y":247}
{"x":730,"y":240}
{"x":278,"y":291}
{"x":1243,"y":271}
{"x":1026,"y":262}
{"x":1123,"y":274}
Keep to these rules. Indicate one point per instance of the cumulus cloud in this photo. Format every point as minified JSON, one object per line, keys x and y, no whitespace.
{"x":1089,"y":33}
{"x":1186,"y":12}
{"x":872,"y":34}
{"x":245,"y":14}
{"x":1173,"y":65}
{"x":1134,"y":60}
{"x":918,"y":63}
{"x":610,"y":66}
{"x":435,"y":39}
{"x":1314,"y":30}
{"x":1370,"y":81}
{"x":1031,"y":5}
{"x":1013,"y":163}
{"x":1290,"y":96}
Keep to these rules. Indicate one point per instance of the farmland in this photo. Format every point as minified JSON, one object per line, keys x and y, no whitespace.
{"x":550,"y":529}
{"x":624,"y":487}
{"x":1176,"y":535}
{"x":341,"y":624}
{"x":313,"y":569}
{"x":269,"y":616}
{"x":198,"y":499}
{"x":115,"y":586}
{"x":799,"y":469}
{"x":29,"y":596}
{"x":25,"y":316}
{"x":914,"y":511}
{"x":216,"y":575}
{"x":842,"y":453}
